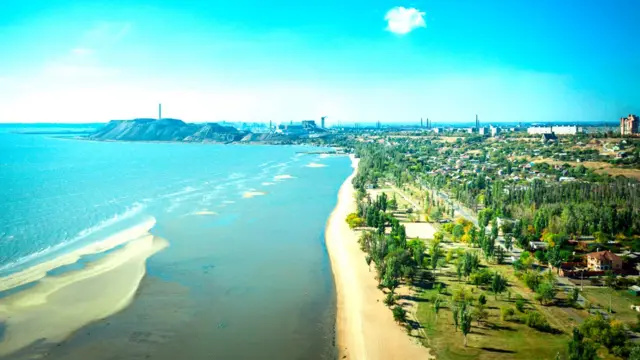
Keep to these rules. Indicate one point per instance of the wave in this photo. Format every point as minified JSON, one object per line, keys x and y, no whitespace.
{"x":205,"y":212}
{"x":186,"y":190}
{"x":131,"y":211}
{"x":283,"y":177}
{"x":250,"y":194}
{"x":315,"y":165}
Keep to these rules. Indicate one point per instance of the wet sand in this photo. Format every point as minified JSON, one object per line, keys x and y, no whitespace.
{"x":56,"y":306}
{"x":365,"y":328}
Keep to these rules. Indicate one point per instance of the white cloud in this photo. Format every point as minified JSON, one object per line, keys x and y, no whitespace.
{"x":401,"y":20}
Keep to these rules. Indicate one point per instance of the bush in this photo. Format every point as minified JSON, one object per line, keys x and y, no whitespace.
{"x":537,"y":321}
{"x":481,"y":277}
{"x":506,"y":313}
{"x":520,"y":304}
{"x":389,"y":299}
{"x":354,"y":220}
{"x":482,"y":299}
{"x":399,"y":314}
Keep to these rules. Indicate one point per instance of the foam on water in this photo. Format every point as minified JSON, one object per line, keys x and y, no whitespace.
{"x":130,"y":212}
{"x":315,"y":165}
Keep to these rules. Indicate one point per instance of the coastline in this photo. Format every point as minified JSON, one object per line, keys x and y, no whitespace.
{"x":58,"y":305}
{"x":365,"y":328}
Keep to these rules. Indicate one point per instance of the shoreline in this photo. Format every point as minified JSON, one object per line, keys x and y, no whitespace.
{"x":365,"y":328}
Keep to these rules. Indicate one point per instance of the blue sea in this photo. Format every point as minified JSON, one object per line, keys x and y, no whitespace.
{"x":246,"y":274}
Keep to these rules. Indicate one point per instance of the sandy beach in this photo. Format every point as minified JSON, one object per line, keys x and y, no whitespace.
{"x":56,"y":306}
{"x":365,"y":328}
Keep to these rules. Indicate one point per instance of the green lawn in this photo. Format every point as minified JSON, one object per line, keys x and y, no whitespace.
{"x":621,"y":302}
{"x":495,"y":339}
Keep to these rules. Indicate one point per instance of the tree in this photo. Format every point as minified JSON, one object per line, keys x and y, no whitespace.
{"x":555,"y":258}
{"x":508,"y":241}
{"x":574,"y":295}
{"x":480,"y":313}
{"x":473,"y":235}
{"x":393,"y":203}
{"x":465,"y":324}
{"x":389,"y":299}
{"x":520,"y":304}
{"x":482,"y":299}
{"x":457,"y":231}
{"x":459,"y":268}
{"x":579,"y":349}
{"x":399,"y":314}
{"x":499,"y":255}
{"x":435,"y":254}
{"x":547,"y":292}
{"x":437,"y":303}
{"x":498,"y":284}
{"x":494,"y":228}
{"x":531,"y":279}
{"x":471,"y":263}
{"x":354,"y":221}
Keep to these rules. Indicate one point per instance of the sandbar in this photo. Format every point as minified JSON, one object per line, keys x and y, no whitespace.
{"x":56,"y":306}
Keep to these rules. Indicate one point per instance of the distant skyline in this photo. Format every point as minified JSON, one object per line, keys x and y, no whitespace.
{"x":247,"y":60}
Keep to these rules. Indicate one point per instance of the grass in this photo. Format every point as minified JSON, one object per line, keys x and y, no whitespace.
{"x":621,"y":302}
{"x":494,"y":339}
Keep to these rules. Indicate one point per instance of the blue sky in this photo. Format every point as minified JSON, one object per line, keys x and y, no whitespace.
{"x":250,"y":60}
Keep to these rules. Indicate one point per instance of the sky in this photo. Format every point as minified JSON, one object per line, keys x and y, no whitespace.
{"x":352,"y":61}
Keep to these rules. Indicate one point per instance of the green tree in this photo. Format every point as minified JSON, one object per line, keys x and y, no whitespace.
{"x":499,"y":255}
{"x":389,"y":299}
{"x":508,"y":241}
{"x":435,"y":253}
{"x":547,"y":292}
{"x":473,"y":236}
{"x":482,"y":299}
{"x":437,"y":304}
{"x":458,"y":231}
{"x":494,"y":228}
{"x":579,"y":349}
{"x":498,"y":284}
{"x":465,"y":324}
{"x":399,"y":314}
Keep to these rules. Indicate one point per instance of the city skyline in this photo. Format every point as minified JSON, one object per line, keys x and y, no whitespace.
{"x":364,"y":61}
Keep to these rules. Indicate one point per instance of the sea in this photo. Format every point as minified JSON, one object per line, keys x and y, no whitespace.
{"x":246,"y":274}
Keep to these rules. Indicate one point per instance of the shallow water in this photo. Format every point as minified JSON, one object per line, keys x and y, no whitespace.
{"x":244,"y":277}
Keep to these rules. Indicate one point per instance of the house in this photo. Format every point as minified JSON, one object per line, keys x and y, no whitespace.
{"x":551,"y":137}
{"x":603,"y":260}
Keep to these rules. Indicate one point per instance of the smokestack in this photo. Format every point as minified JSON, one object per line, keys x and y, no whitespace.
{"x":420,"y":122}
{"x":477,"y":122}
{"x":159,"y":111}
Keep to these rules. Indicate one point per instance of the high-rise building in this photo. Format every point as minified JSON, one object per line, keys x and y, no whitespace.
{"x":629,"y":125}
{"x":322,"y":121}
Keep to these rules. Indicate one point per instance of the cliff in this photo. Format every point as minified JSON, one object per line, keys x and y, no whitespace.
{"x":166,"y":130}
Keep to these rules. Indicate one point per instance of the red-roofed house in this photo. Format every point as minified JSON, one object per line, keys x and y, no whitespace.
{"x":603,"y":260}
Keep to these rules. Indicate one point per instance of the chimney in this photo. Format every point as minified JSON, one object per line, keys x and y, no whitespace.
{"x":159,"y":111}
